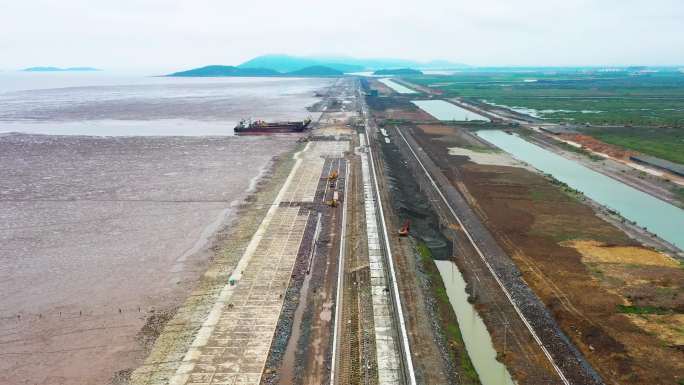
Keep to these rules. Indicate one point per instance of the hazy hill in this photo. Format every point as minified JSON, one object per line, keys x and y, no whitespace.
{"x":286,"y":63}
{"x":398,"y":71}
{"x":57,"y":69}
{"x":317,"y":70}
{"x":393,"y":63}
{"x":220,"y":70}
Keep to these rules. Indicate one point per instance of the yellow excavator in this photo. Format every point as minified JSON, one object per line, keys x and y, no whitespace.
{"x":332,"y":178}
{"x":334,"y":200}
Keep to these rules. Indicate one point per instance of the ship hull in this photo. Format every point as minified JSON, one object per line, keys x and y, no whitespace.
{"x":267,"y":132}
{"x":264,"y":128}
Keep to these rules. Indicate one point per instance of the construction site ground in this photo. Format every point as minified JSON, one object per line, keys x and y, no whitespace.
{"x":303,"y":290}
{"x":231,"y":341}
{"x":438,"y":359}
{"x":512,"y":340}
{"x":555,"y":241}
{"x":268,"y":314}
{"x":265,"y":313}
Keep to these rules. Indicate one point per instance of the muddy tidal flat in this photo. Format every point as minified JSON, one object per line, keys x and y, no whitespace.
{"x":101,"y":238}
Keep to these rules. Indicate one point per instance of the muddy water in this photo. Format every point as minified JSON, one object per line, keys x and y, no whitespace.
{"x":659,"y":217}
{"x":475,"y":334}
{"x":105,"y":104}
{"x":208,"y":231}
{"x":100,"y":234}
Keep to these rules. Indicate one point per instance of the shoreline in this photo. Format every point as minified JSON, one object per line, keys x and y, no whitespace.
{"x":107,"y":238}
{"x":227,"y":245}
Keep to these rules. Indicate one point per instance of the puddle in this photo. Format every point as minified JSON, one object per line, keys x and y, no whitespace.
{"x":475,"y":335}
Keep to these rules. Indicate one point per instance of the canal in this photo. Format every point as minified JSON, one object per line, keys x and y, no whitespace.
{"x":396,"y":86}
{"x":477,"y":340}
{"x":444,"y":110}
{"x":661,"y":218}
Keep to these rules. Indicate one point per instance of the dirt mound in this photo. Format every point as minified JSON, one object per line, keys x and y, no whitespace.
{"x":598,"y":252}
{"x":596,"y":145}
{"x":438,"y":129}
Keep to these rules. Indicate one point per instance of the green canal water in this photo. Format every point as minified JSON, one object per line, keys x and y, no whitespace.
{"x":477,"y":340}
{"x":659,"y":217}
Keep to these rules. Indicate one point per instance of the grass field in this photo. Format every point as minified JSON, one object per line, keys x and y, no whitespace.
{"x":632,"y":98}
{"x":666,"y":143}
{"x":647,"y":107}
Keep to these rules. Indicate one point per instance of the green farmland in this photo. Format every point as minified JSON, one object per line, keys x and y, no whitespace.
{"x":642,"y":111}
{"x":605,"y":98}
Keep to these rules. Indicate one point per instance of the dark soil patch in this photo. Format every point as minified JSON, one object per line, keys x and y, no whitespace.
{"x":411,"y":204}
{"x":153,"y":327}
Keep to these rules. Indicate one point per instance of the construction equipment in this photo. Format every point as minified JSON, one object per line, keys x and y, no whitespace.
{"x":334,"y":200}
{"x":404,"y":231}
{"x":333,"y":179}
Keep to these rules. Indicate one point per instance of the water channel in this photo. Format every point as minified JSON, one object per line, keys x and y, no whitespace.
{"x":659,"y":217}
{"x":396,"y":86}
{"x":475,"y":335}
{"x":444,"y":110}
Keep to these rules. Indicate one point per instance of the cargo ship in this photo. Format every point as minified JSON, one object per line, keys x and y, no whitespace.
{"x":260,"y":127}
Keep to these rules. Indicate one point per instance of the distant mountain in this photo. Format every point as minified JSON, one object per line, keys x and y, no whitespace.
{"x":398,"y":72}
{"x":220,"y":70}
{"x":316,"y":70}
{"x":286,"y":63}
{"x":58,"y":69}
{"x":393,"y":63}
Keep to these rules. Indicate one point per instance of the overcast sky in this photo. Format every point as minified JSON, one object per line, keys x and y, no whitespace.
{"x":171,"y":34}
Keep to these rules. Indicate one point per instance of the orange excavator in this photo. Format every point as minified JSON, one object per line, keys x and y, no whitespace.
{"x":404,"y":230}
